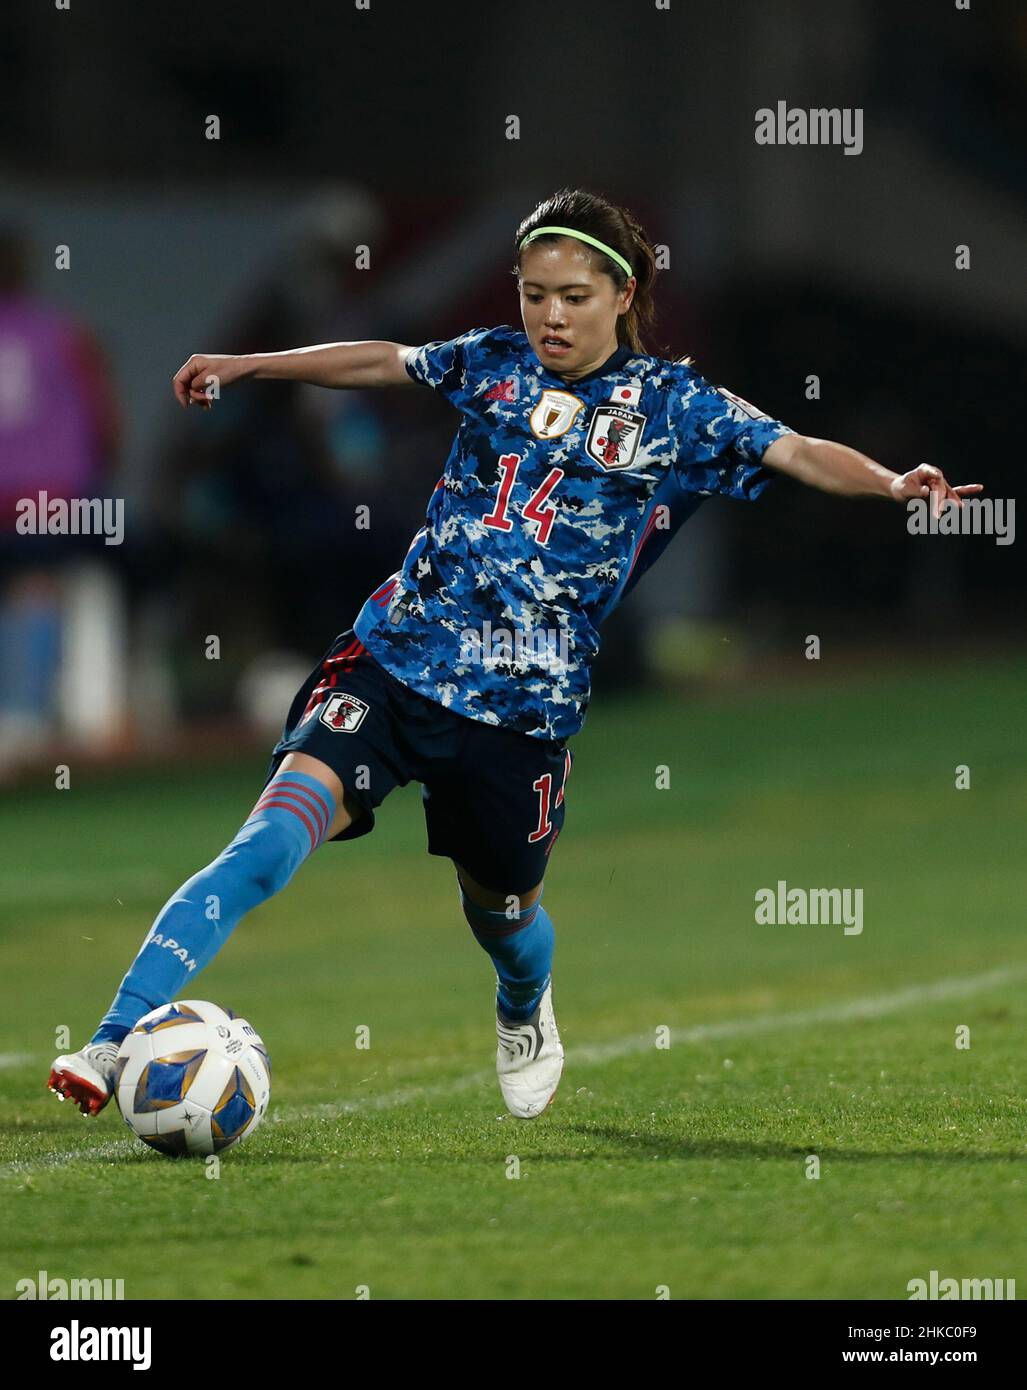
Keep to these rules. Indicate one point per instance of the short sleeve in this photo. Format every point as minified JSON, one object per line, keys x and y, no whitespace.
{"x":720,"y":440}
{"x":444,"y":366}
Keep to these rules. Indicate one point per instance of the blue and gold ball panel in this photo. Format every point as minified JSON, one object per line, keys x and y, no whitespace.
{"x":165,"y":1080}
{"x":233,"y":1111}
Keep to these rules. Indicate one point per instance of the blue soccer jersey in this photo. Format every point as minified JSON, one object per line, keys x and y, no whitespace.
{"x":555,"y":499}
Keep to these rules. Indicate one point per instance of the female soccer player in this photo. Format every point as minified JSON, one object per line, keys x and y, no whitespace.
{"x":577,"y":458}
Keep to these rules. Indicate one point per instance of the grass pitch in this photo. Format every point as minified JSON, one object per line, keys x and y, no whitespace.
{"x":683,"y":1167}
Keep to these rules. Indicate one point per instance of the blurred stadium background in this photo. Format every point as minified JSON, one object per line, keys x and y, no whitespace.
{"x":785,"y":262}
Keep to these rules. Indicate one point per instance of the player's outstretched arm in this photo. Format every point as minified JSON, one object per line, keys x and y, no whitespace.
{"x":353,"y":365}
{"x":836,"y":468}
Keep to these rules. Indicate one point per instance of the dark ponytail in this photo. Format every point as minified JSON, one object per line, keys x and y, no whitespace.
{"x":619,"y":229}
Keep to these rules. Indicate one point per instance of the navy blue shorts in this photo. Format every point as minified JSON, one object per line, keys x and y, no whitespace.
{"x":493,"y":798}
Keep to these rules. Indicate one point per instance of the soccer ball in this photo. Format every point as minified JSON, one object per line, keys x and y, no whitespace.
{"x":192,"y":1078}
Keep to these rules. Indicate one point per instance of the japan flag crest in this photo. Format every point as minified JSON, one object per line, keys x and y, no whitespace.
{"x":627,"y":396}
{"x":614,"y":436}
{"x":343,"y":713}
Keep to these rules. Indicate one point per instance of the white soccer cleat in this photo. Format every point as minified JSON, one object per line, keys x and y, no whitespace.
{"x":86,"y":1077}
{"x":529,"y":1059}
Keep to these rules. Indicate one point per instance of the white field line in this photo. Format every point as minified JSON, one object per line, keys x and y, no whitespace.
{"x":15,"y":1059}
{"x":872,"y":1006}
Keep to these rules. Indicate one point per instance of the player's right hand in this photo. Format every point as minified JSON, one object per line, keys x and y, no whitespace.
{"x":194,"y":382}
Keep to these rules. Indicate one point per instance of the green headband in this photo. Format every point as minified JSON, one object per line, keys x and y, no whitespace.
{"x":581,"y":236}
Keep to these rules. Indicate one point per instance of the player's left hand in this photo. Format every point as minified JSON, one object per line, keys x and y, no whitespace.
{"x":926,"y":480}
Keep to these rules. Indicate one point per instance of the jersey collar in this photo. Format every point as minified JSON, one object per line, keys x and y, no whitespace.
{"x":612,"y":363}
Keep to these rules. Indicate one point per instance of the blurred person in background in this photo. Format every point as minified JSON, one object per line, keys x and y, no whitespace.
{"x":265,"y":538}
{"x":60,"y":428}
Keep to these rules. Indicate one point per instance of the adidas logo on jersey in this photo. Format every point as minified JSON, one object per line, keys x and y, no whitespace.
{"x":503,"y":391}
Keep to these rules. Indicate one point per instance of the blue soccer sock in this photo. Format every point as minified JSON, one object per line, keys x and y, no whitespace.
{"x":521,"y":948}
{"x":288,"y":822}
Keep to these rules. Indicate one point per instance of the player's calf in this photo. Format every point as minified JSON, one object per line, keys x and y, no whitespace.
{"x":516,"y":932}
{"x":293,"y":814}
{"x":519,"y":939}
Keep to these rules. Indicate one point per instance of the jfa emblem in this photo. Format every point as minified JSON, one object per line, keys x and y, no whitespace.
{"x":614,"y":437}
{"x":344,"y":713}
{"x":554,"y":414}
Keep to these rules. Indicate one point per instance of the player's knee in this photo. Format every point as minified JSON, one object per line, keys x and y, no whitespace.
{"x":476,"y":899}
{"x":347,"y":811}
{"x":514,"y":908}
